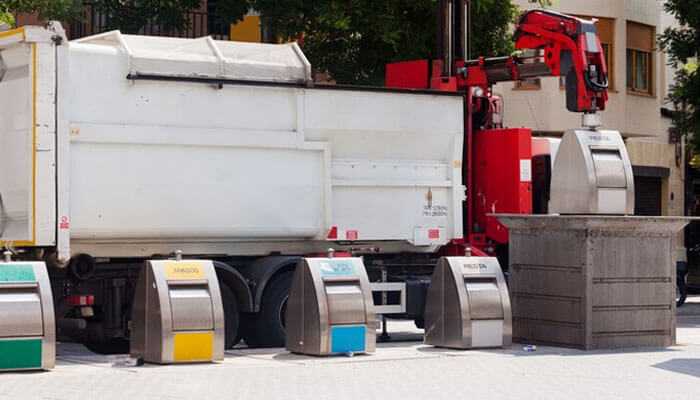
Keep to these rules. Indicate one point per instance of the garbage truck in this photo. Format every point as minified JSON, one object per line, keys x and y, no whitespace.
{"x":116,"y":149}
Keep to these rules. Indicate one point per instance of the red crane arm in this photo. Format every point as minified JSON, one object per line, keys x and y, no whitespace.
{"x":564,"y":46}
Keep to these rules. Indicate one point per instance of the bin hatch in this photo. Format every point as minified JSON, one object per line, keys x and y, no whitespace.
{"x":484,"y":298}
{"x":346,"y":303}
{"x":191,"y":308}
{"x":20,"y":310}
{"x":609,"y":168}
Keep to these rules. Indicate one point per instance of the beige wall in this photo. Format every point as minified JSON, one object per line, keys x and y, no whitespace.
{"x":637,"y":117}
{"x":633,"y":115}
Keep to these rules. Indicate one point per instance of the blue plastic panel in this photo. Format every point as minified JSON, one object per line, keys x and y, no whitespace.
{"x":348,"y":338}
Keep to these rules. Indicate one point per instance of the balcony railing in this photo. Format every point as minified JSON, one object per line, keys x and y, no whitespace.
{"x":198,"y":24}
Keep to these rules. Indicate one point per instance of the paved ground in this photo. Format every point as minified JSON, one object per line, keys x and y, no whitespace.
{"x":401,"y":370}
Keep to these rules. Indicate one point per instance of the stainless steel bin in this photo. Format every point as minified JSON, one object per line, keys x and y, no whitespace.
{"x":178,"y":315}
{"x":330,"y":308}
{"x":27,"y":322}
{"x":592,"y":174}
{"x":467,"y":305}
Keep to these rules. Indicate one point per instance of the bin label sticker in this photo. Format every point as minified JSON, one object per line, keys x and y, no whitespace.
{"x":337,"y":268}
{"x":178,"y":270}
{"x":17,"y":273}
{"x":473,"y":268}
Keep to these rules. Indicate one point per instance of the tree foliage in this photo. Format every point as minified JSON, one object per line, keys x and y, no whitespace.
{"x":127,"y":15}
{"x":352,"y":40}
{"x":47,"y":9}
{"x":130,"y":16}
{"x":683,"y":45}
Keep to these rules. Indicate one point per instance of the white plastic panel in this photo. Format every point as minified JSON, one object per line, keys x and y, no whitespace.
{"x":611,"y":201}
{"x":487,"y":333}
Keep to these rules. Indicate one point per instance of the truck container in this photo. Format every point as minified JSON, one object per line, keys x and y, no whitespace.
{"x":116,"y":148}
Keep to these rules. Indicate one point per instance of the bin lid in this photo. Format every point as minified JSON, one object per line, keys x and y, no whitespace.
{"x":207,"y":58}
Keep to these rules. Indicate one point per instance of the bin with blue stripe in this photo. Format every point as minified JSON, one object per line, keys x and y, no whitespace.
{"x":330,"y":308}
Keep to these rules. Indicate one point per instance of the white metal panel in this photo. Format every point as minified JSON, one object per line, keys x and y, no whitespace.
{"x":396,"y":168}
{"x":204,"y":57}
{"x":16,"y":145}
{"x":45,"y":131}
{"x":27,"y":136}
{"x":130,"y":190}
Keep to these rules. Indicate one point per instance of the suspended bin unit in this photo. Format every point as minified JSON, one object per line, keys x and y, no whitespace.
{"x":592,"y":175}
{"x":27,"y":322}
{"x":330,"y":308}
{"x":178,"y":313}
{"x":467,"y":305}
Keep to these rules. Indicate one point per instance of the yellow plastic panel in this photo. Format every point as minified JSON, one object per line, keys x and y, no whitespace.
{"x":193,"y":347}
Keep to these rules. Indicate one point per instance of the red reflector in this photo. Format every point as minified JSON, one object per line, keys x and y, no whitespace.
{"x":333,"y":233}
{"x":80,"y":300}
{"x":433,"y":234}
{"x":351,"y":235}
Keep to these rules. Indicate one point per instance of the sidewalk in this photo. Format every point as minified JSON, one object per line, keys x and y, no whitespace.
{"x":399,"y":370}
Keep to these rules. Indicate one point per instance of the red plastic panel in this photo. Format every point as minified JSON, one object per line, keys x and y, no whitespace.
{"x":502,"y":177}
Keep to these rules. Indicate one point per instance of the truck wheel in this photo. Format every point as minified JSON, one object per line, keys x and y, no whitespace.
{"x":267,"y":327}
{"x":232,"y":318}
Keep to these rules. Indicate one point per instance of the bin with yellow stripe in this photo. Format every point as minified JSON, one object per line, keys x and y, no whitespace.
{"x":178,"y":314}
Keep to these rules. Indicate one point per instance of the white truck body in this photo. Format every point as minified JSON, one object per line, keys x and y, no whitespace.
{"x":92,"y":162}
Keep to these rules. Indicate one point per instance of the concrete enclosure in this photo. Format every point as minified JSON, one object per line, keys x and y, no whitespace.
{"x":593,"y":282}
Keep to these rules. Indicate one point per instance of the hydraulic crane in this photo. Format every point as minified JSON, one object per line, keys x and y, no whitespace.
{"x":497,"y":167}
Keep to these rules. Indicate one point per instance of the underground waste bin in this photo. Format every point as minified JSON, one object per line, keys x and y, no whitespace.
{"x":330,"y":308}
{"x":178,"y":314}
{"x":27,"y":322}
{"x":467,"y":305}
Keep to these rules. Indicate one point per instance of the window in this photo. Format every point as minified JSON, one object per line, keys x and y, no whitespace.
{"x":606,"y":33}
{"x":640,"y":58}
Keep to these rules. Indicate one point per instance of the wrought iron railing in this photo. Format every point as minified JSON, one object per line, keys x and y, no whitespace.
{"x":198,"y":24}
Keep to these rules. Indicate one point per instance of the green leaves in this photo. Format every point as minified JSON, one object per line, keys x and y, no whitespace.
{"x":130,"y":16}
{"x":6,"y":18}
{"x":683,"y":46}
{"x":63,"y":10}
{"x":353,"y":40}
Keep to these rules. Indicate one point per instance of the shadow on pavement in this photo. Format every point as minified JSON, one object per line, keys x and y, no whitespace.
{"x":687,"y":366}
{"x":517,"y":350}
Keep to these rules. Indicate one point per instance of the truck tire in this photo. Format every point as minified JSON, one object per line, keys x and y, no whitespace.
{"x":266,"y":329}
{"x":232,"y":317}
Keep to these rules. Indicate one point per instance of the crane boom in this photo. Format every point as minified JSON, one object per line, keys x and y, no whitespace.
{"x":562,"y":46}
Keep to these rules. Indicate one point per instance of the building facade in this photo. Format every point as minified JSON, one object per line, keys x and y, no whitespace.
{"x":639,"y":81}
